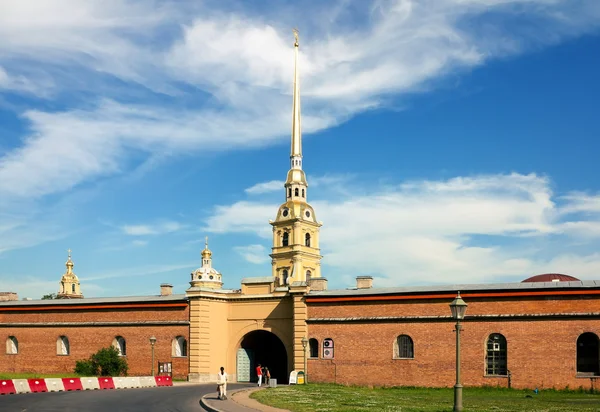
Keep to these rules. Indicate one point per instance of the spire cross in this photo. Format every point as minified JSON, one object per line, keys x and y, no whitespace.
{"x":206,"y":242}
{"x":69,"y":251}
{"x":296,"y":32}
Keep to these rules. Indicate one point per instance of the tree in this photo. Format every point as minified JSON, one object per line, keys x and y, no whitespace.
{"x":49,"y":296}
{"x":105,"y":362}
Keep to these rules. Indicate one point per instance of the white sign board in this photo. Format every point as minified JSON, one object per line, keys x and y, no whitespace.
{"x":293,"y":377}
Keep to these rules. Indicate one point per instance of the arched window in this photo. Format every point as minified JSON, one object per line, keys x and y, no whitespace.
{"x":284,"y":276}
{"x":296,"y":192}
{"x":588,"y":361}
{"x":404,"y":348}
{"x":120,"y":345}
{"x":328,"y":348}
{"x":308,"y":275}
{"x":179,"y":347}
{"x":314,"y":347}
{"x":62,"y":346}
{"x":286,"y":239}
{"x":12,"y":345}
{"x":290,"y":192}
{"x":302,"y":192}
{"x":73,"y":288}
{"x":307,"y":239}
{"x":495,"y":362}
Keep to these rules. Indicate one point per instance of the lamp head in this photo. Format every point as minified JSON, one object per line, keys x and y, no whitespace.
{"x":152,"y":340}
{"x":458,"y":308}
{"x":304,"y":342}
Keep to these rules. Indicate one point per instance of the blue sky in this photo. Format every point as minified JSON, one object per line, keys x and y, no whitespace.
{"x":445,"y":141}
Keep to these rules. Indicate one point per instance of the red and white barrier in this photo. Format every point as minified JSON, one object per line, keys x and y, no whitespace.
{"x":16,"y":386}
{"x":163,"y":381}
{"x":54,"y":384}
{"x":7,"y":387}
{"x":106,"y":383}
{"x":72,"y":384}
{"x":21,"y":385}
{"x":90,"y":383}
{"x":37,"y":385}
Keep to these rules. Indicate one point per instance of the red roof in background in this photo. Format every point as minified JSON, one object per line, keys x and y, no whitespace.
{"x":551,"y":277}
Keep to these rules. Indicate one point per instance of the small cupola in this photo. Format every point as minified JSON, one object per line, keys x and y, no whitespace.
{"x":206,"y":276}
{"x":69,"y":283}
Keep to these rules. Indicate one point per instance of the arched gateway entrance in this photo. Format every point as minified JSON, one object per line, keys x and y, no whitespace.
{"x":265,"y":348}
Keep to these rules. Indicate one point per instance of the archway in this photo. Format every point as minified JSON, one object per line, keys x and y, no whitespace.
{"x":262,"y":347}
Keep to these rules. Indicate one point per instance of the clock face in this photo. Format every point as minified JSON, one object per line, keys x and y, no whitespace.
{"x":285,"y":212}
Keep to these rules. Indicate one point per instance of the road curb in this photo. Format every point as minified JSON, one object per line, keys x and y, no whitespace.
{"x":208,"y":407}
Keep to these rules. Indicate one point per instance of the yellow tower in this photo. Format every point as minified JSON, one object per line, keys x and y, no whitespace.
{"x":206,"y":276}
{"x":69,"y":283}
{"x":295,"y":254}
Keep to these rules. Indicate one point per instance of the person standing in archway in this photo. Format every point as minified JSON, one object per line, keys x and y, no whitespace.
{"x":222,"y":384}
{"x":259,"y":374}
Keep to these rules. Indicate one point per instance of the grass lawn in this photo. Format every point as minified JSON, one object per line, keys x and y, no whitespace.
{"x":329,"y":397}
{"x":32,"y":375}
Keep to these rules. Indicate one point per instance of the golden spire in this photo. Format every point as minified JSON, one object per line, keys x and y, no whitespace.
{"x":296,"y":152}
{"x":206,"y":253}
{"x":69,"y":263}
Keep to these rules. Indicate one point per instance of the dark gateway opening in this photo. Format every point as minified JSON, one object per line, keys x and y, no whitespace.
{"x":265,"y":348}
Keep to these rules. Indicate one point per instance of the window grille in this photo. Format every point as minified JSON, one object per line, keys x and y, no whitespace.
{"x":496,"y":355}
{"x":405,"y":348}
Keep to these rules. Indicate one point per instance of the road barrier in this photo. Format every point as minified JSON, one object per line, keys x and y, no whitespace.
{"x":54,"y":384}
{"x":7,"y":387}
{"x":72,"y":384}
{"x":37,"y":385}
{"x":16,"y":386}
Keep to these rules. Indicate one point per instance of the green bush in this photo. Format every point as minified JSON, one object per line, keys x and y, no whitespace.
{"x":85,"y":368}
{"x":105,"y":362}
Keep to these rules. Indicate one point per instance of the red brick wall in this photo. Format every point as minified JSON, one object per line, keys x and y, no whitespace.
{"x":541,"y":353}
{"x":37,"y":345}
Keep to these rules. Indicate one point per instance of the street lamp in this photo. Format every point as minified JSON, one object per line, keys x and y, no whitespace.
{"x":304,"y":344}
{"x":152,"y":342}
{"x":458,"y":308}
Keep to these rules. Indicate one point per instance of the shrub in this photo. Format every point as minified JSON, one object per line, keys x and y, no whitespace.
{"x":105,"y":362}
{"x":85,"y":368}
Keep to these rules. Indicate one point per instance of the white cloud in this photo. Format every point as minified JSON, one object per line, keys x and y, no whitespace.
{"x":244,"y":217}
{"x":265,"y":187}
{"x":460,"y":230}
{"x":152,"y":229}
{"x":253,"y":253}
{"x":237,"y":59}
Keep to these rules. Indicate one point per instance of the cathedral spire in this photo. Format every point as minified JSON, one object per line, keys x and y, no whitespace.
{"x":296,"y":151}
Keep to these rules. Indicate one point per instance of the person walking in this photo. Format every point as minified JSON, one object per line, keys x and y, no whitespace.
{"x":267,"y":376}
{"x":259,"y":374}
{"x":222,"y":384}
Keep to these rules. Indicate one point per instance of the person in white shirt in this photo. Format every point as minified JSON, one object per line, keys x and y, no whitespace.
{"x":222,"y":384}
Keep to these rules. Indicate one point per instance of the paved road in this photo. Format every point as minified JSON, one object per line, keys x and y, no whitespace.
{"x":167,"y":399}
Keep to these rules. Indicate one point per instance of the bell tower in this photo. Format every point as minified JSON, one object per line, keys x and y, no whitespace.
{"x":69,"y":283}
{"x":296,"y":256}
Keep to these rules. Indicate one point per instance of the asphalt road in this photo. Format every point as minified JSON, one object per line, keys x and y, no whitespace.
{"x":184,"y":398}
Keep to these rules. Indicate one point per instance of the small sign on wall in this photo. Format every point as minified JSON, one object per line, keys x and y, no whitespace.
{"x":328,"y":348}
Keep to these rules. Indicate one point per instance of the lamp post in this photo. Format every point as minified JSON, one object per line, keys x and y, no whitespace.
{"x":458,"y":308}
{"x":304,"y":344}
{"x":152,"y":342}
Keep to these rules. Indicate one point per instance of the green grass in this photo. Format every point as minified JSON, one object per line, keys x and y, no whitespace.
{"x":337,"y":398}
{"x":33,"y":375}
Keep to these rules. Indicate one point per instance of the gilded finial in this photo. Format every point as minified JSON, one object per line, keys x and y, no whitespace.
{"x":69,"y":252}
{"x":296,"y":32}
{"x":206,"y":242}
